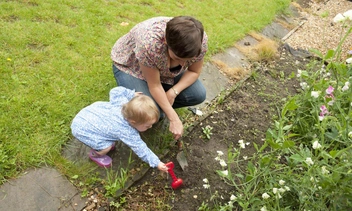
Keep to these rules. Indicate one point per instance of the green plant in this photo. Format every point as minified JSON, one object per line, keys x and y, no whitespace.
{"x":305,"y":162}
{"x":117,"y":180}
{"x":203,"y":207}
{"x":122,"y":200}
{"x":85,"y":183}
{"x":207,"y":131}
{"x":254,"y":75}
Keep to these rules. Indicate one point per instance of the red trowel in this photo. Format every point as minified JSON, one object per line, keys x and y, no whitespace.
{"x":176,"y":182}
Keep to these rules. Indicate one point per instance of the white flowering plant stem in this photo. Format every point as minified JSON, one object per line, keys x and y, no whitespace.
{"x":305,"y":162}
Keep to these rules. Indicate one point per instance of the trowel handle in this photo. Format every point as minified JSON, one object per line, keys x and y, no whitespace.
{"x":170,"y":165}
{"x":179,"y":144}
{"x":171,"y":171}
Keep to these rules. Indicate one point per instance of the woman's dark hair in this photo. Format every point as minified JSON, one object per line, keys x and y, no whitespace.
{"x":184,"y":36}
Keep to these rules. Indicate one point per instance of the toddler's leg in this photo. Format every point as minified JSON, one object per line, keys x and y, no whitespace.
{"x":100,"y":157}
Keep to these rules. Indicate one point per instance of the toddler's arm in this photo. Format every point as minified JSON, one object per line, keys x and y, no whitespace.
{"x":121,"y":95}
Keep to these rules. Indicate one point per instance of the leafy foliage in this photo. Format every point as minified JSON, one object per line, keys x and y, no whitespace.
{"x":305,"y":163}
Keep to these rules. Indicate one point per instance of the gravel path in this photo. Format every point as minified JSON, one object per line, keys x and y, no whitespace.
{"x":318,"y":30}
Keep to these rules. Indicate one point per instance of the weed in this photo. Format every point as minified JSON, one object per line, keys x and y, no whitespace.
{"x":221,"y":97}
{"x":207,"y":131}
{"x":254,"y":75}
{"x":203,"y":207}
{"x":122,"y":200}
{"x":117,"y":180}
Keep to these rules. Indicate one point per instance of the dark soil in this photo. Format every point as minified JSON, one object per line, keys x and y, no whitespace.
{"x":245,"y":114}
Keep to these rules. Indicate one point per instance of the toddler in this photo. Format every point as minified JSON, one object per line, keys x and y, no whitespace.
{"x":127,"y":113}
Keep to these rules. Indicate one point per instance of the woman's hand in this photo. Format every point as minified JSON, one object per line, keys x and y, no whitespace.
{"x":171,"y":95}
{"x":138,"y":93}
{"x":162,"y":167}
{"x":176,"y":128}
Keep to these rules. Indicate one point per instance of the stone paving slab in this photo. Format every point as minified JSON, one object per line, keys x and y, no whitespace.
{"x":43,"y":189}
{"x":214,"y":81}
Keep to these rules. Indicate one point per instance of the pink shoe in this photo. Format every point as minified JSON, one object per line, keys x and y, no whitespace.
{"x":101,"y":160}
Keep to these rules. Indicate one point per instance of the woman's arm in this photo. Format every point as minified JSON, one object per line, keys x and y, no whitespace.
{"x":152,"y":77}
{"x":188,"y":78}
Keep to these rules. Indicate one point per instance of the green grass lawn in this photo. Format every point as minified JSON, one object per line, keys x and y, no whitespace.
{"x":55,"y":60}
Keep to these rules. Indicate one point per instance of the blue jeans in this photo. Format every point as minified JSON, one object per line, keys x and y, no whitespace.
{"x":193,"y":95}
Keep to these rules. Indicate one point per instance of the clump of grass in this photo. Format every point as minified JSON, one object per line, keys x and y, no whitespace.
{"x":264,"y":49}
{"x":267,"y":50}
{"x":236,"y":73}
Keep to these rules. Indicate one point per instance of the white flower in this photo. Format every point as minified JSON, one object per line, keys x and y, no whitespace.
{"x":217,"y":158}
{"x":233,"y":198}
{"x":230,"y":203}
{"x":321,"y":118}
{"x":205,"y":180}
{"x":299,"y":72}
{"x":315,"y":94}
{"x":339,"y":18}
{"x":265,"y":196}
{"x":245,"y":157}
{"x":309,"y":161}
{"x":222,"y":163}
{"x":324,"y":170}
{"x":282,"y":190}
{"x":316,"y":145}
{"x":287,"y":188}
{"x":282,"y":182}
{"x":331,"y":102}
{"x":220,"y":153}
{"x":323,"y":69}
{"x":242,"y":144}
{"x":350,"y":134}
{"x":327,"y":75}
{"x":346,"y":86}
{"x":263,"y":209}
{"x":226,"y":172}
{"x":206,"y":186}
{"x":348,"y":14}
{"x":349,"y":60}
{"x":274,"y":190}
{"x":304,"y":85}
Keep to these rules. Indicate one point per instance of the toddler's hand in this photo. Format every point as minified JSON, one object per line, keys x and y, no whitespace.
{"x":162,"y":167}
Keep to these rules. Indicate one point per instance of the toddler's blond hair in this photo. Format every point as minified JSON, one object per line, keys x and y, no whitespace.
{"x":140,"y":109}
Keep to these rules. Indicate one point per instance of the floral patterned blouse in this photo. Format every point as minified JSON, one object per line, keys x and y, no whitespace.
{"x":145,"y":44}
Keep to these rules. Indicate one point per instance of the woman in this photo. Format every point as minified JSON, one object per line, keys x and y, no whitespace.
{"x":163,"y":58}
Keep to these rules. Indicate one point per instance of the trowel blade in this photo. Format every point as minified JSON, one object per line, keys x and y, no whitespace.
{"x":182,"y":160}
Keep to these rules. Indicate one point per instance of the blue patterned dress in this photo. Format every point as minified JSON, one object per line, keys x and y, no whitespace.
{"x":101,"y":123}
